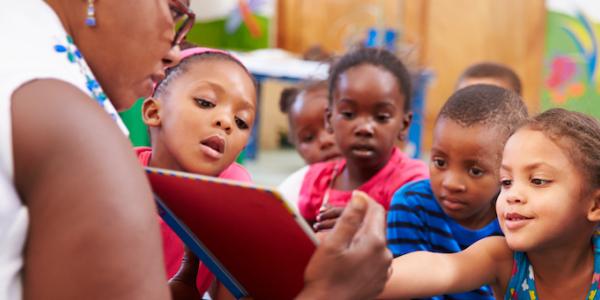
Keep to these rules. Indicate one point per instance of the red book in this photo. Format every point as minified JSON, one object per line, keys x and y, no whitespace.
{"x":247,"y":235}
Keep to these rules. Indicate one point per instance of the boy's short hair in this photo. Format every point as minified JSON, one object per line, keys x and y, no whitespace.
{"x":484,"y":104}
{"x":493,"y":70}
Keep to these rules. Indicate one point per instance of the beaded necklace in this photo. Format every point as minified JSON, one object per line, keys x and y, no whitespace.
{"x":74,"y":56}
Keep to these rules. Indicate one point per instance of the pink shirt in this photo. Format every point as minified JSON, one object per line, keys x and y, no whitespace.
{"x":399,"y":171}
{"x":172,"y":245}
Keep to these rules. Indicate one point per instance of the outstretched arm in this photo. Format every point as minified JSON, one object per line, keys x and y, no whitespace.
{"x":423,"y":274}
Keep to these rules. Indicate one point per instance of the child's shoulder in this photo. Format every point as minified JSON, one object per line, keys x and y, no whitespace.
{"x":143,"y":154}
{"x":326,"y":166}
{"x":409,"y":168}
{"x":237,"y":172}
{"x":323,"y":171}
{"x":416,"y":192}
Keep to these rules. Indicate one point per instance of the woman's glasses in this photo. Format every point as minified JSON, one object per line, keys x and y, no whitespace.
{"x":184,"y":17}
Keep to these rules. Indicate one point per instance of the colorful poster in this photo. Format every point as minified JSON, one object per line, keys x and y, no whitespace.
{"x":571,"y":64}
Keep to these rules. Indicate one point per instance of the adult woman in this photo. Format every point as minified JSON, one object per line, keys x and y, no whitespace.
{"x":69,"y":182}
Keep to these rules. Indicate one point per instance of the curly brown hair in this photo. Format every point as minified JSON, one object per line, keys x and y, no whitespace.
{"x":577,"y":134}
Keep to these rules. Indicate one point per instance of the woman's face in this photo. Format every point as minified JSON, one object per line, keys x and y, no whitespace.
{"x":129,"y":47}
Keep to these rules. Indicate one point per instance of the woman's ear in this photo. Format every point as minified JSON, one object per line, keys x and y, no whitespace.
{"x":327,"y":117}
{"x":406,"y":119}
{"x":151,"y":112}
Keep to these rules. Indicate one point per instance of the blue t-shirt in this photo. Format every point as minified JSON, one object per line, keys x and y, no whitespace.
{"x":416,"y":222}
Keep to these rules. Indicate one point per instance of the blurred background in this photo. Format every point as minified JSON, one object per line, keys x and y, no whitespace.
{"x":552,"y":45}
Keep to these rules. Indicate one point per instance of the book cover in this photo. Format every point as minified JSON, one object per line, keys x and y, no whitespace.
{"x":247,"y":235}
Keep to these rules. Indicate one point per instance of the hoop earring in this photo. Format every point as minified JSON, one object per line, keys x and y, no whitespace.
{"x":90,"y":20}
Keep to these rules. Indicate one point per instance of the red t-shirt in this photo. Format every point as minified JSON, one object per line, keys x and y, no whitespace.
{"x":399,"y":171}
{"x":172,"y":245}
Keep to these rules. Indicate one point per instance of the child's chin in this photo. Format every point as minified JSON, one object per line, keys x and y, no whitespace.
{"x":518,"y":244}
{"x":207,"y":170}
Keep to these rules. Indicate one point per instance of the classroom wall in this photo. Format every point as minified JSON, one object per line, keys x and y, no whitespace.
{"x":444,"y":36}
{"x":333,"y":24}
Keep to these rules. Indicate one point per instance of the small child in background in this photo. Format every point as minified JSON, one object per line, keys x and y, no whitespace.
{"x":490,"y":73}
{"x":199,"y":117}
{"x":305,"y":106}
{"x":455,"y":208}
{"x":369,"y":111}
{"x":549,"y":211}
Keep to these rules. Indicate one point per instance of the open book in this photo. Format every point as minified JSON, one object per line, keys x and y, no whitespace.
{"x":248,"y":236}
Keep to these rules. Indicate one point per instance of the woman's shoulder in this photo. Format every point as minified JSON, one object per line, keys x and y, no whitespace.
{"x":39,"y":49}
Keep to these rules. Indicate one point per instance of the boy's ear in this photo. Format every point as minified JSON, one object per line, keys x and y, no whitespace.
{"x":327,"y":116}
{"x":151,"y":112}
{"x":406,"y":119}
{"x":593,"y":214}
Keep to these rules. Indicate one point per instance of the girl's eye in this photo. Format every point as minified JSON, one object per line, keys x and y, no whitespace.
{"x":505,"y":183}
{"x":307,"y":138}
{"x":439,"y":163}
{"x":241,"y":124}
{"x":475,"y":172}
{"x":204,"y":103}
{"x":347,"y":114}
{"x":539,"y":181}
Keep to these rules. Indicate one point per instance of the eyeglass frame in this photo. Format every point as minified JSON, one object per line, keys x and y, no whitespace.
{"x":187,"y":25}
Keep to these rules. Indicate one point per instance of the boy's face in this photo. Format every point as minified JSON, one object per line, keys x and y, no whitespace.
{"x":206,"y":115}
{"x":307,"y":127}
{"x":464,"y":170}
{"x":367,"y":115}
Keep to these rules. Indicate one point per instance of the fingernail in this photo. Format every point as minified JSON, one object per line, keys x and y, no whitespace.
{"x":358,"y":202}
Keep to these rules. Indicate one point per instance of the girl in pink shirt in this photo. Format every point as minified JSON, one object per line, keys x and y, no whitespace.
{"x":199,"y":117}
{"x":368,"y":113}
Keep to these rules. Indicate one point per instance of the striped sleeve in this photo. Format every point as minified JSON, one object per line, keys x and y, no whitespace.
{"x":405,"y":224}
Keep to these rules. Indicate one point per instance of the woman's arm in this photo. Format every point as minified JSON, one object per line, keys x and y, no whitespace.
{"x":425,"y":274}
{"x":93,"y":232}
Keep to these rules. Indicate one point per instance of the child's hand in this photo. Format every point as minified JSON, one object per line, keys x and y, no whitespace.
{"x":327,"y":218}
{"x":183,"y":284}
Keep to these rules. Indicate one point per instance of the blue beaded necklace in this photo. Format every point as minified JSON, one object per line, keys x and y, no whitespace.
{"x":74,"y":56}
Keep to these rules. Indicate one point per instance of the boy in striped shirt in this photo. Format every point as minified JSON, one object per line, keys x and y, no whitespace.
{"x":456,"y":207}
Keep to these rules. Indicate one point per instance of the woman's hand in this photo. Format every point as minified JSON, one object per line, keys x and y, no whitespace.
{"x":353,"y":261}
